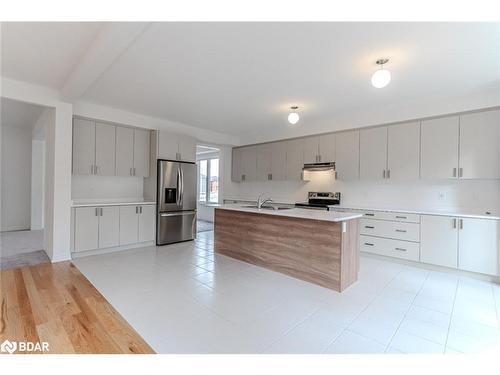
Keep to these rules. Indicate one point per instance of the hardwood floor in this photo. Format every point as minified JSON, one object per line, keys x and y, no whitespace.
{"x":55,"y":303}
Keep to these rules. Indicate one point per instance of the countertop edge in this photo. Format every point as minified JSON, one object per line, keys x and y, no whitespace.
{"x":102,"y":204}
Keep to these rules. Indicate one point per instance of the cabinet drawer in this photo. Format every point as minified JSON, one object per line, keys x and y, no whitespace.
{"x":393,"y":216}
{"x":389,"y":247}
{"x":390,"y":229}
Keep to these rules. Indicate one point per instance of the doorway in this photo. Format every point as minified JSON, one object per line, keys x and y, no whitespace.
{"x":208,"y":162}
{"x":22,"y":187}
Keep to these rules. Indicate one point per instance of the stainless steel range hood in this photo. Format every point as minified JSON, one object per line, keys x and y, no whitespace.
{"x":328,"y":166}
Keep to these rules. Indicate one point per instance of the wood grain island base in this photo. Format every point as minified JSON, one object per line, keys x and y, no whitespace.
{"x":323,"y":252}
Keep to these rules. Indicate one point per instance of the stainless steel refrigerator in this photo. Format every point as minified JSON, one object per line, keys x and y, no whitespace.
{"x":176,"y":215}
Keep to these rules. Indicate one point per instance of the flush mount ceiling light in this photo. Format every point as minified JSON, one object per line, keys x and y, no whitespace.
{"x":381,"y":77}
{"x":293,"y":117}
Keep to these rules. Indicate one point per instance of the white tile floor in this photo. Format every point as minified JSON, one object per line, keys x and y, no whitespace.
{"x":184,"y":299}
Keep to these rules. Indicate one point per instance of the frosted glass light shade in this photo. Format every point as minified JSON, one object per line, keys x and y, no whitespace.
{"x":381,"y":78}
{"x":293,"y":118}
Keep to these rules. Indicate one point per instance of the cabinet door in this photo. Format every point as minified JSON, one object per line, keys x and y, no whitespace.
{"x":109,"y":226}
{"x":294,"y":159}
{"x":264,"y":162}
{"x":129,"y":224}
{"x":105,"y":149}
{"x":147,"y":223}
{"x":439,"y":240}
{"x":124,"y":151}
{"x":403,"y":151}
{"x":86,"y":228}
{"x":168,"y":145}
{"x":142,"y":151}
{"x":327,"y":148}
{"x":479,"y":145}
{"x":83,"y":147}
{"x":311,"y":150}
{"x":187,"y":148}
{"x":236,"y":165}
{"x":278,"y":161}
{"x":439,"y":148}
{"x":373,"y":153}
{"x":249,"y":163}
{"x":347,"y":155}
{"x":478,"y":246}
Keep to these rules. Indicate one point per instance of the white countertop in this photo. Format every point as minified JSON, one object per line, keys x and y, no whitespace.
{"x":107,"y":202}
{"x":301,"y":213}
{"x":429,"y":211}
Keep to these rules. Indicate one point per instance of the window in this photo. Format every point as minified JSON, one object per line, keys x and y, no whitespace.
{"x":208,"y":180}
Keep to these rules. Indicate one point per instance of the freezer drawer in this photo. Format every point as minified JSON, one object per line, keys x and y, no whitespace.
{"x":176,"y":227}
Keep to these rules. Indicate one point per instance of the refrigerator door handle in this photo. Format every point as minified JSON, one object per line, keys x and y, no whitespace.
{"x":182,"y":185}
{"x":181,"y":213}
{"x":178,"y":191}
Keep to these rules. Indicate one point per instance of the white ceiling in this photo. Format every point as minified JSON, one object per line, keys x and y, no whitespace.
{"x":44,"y":53}
{"x":19,"y":114}
{"x":239,"y":78}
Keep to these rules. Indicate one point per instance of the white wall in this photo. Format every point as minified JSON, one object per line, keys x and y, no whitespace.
{"x":470,"y":195}
{"x":37,"y":183}
{"x":16,"y":177}
{"x":106,"y":187}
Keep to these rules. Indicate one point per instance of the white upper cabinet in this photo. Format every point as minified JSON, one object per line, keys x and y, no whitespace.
{"x":403,"y":151}
{"x":479,"y":244}
{"x":83,"y":147}
{"x":142,"y":149}
{"x":187,"y":148}
{"x":264,"y":155}
{"x":168,"y":145}
{"x":373,"y":153}
{"x":439,"y":240}
{"x":236,"y":165}
{"x":124,"y":151}
{"x":480,"y":145}
{"x":326,"y":148}
{"x":249,"y":163}
{"x":176,"y":147}
{"x":311,"y":150}
{"x":439,"y":148}
{"x":105,"y":149}
{"x":278,"y":161}
{"x":294,"y":159}
{"x":347,"y":155}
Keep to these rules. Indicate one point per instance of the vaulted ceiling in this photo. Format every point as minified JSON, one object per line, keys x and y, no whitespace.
{"x":241,"y":78}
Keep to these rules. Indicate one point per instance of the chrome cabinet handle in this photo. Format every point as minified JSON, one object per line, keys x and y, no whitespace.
{"x":368,"y":214}
{"x":460,"y":172}
{"x":368,"y":244}
{"x":388,"y":173}
{"x":136,"y":210}
{"x":383,"y":173}
{"x":401,"y":230}
{"x":461,"y":223}
{"x":454,"y":223}
{"x":369,"y":227}
{"x":96,"y":211}
{"x":269,"y":176}
{"x":455,"y":172}
{"x":399,"y":249}
{"x":140,"y":210}
{"x":134,"y":171}
{"x":243,"y":177}
{"x":401,"y":217}
{"x":102,"y":211}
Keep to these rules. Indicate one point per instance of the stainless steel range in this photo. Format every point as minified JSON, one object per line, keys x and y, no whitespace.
{"x":320,"y":200}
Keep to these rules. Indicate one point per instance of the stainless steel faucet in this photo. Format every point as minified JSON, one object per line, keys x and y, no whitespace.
{"x":261,"y":201}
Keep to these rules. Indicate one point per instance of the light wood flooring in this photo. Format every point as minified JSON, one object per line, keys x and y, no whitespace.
{"x":57,"y":304}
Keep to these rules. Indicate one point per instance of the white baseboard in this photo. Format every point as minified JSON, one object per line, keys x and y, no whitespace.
{"x":81,"y":254}
{"x":14,"y":228}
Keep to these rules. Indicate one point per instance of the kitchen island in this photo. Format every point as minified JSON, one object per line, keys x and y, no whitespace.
{"x":317,"y":246}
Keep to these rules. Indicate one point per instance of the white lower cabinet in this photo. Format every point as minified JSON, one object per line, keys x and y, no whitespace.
{"x":112,"y":226}
{"x":478,"y":246}
{"x":86,"y":228}
{"x":147,"y":223}
{"x":129,"y":223}
{"x":95,"y":228}
{"x":439,"y":240}
{"x":389,"y":247}
{"x":463,"y":243}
